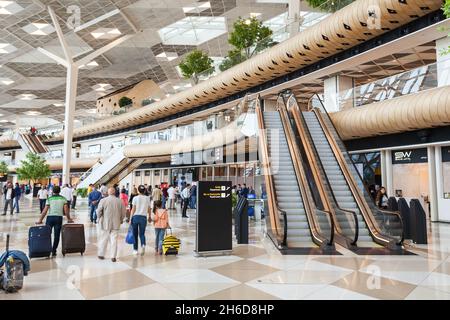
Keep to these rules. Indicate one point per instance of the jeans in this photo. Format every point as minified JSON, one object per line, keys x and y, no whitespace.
{"x":93,"y":213}
{"x":55,"y":223}
{"x":74,"y":202}
{"x":42,"y":204}
{"x":10,"y":204}
{"x":139,"y":223}
{"x":163,"y":201}
{"x":159,"y":233}
{"x":185,"y":205}
{"x":193,"y":202}
{"x":16,"y":203}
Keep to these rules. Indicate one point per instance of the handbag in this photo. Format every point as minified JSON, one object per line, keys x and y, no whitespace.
{"x":130,"y":237}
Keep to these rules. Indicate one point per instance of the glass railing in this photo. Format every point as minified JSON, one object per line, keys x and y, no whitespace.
{"x":412,"y":81}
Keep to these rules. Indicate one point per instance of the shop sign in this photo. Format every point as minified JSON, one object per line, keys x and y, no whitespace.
{"x":410,"y":156}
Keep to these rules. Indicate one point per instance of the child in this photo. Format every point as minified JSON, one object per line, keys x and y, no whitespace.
{"x":161,"y":221}
{"x":124,"y":198}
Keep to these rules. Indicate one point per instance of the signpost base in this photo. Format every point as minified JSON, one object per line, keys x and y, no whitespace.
{"x":213,"y":253}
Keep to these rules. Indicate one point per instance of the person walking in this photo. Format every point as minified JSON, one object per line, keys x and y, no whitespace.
{"x":165,"y":196}
{"x":67,"y":193}
{"x":74,"y":196}
{"x":104,"y":190}
{"x":140,"y":214}
{"x":55,"y":209}
{"x":185,"y":195}
{"x":156,"y":194}
{"x":42,"y":196}
{"x":193,"y":197}
{"x":161,"y":223}
{"x":382,"y":198}
{"x":111,"y":213}
{"x":93,"y":200}
{"x":18,"y":194}
{"x":172,"y":192}
{"x":8,"y":194}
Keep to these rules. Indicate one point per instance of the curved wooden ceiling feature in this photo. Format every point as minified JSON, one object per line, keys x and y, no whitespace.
{"x":340,"y":31}
{"x":422,"y":110}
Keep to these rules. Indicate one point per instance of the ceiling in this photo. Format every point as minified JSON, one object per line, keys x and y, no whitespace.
{"x":32,"y":85}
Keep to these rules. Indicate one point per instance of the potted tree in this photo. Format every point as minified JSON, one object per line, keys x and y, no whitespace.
{"x":33,"y":168}
{"x":123,"y":103}
{"x":3,"y":169}
{"x":194,"y":63}
{"x":248,"y":37}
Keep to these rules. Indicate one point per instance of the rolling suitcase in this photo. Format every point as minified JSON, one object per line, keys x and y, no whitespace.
{"x":39,"y":242}
{"x":12,"y":276}
{"x":73,"y":240}
{"x":171,"y":244}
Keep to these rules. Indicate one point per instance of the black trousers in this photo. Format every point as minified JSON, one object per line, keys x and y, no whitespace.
{"x":74,"y":202}
{"x":42,"y":204}
{"x":185,"y":206}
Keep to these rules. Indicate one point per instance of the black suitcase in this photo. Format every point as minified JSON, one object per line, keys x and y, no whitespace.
{"x":73,"y":240}
{"x":39,"y":242}
{"x":12,"y":276}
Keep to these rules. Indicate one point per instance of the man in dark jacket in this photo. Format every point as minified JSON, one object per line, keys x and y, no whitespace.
{"x":18,"y":194}
{"x":9,"y":194}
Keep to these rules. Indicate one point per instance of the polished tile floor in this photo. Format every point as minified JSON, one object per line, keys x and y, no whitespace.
{"x":254,"y":271}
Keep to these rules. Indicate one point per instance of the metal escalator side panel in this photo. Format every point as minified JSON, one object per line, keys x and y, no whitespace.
{"x":275,"y":230}
{"x":308,"y":204}
{"x":363,"y":206}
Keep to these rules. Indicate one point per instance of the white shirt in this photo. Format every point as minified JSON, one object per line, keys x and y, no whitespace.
{"x":66,"y":193}
{"x":42,"y":194}
{"x":172,"y":192}
{"x":142,"y":205}
{"x":8,"y":194}
{"x":185,"y":194}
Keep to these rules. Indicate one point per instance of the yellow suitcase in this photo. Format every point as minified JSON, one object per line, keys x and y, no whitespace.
{"x":171,"y":244}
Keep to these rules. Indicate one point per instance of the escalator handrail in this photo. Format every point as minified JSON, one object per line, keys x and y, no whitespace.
{"x":321,"y":168}
{"x":274,"y":210}
{"x":355,"y":170}
{"x":361,"y":199}
{"x":318,"y":238}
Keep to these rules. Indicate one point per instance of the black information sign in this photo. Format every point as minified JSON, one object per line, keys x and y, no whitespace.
{"x":445,"y":154}
{"x":214,"y":218}
{"x":410,"y":156}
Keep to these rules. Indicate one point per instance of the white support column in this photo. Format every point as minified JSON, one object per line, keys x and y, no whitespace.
{"x":443,"y":61}
{"x":293,"y":19}
{"x":389,"y":180}
{"x":333,"y":86}
{"x":71,"y":93}
{"x":383,"y":166}
{"x":432,"y":183}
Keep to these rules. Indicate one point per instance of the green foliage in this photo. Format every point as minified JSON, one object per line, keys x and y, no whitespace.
{"x":125,"y":101}
{"x":33,"y":168}
{"x":195,"y":63}
{"x":146,"y":102}
{"x":329,"y":5}
{"x":3,"y":169}
{"x":446,"y":8}
{"x":248,"y":37}
{"x":234,"y":200}
{"x":82,"y":192}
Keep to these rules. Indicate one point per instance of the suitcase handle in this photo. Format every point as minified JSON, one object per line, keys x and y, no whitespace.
{"x":7,"y":242}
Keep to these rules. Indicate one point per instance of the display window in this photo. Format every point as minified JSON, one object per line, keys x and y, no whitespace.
{"x":446,"y":172}
{"x":410,"y":173}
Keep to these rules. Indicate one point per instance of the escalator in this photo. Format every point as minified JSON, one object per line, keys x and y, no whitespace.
{"x":110,"y":171}
{"x":296,"y":225}
{"x":376,"y":228}
{"x":31,"y":143}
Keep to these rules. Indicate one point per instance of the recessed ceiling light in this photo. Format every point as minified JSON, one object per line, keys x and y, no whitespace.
{"x":3,"y":121}
{"x":58,"y":104}
{"x":32,"y":113}
{"x":26,"y":96}
{"x":6,"y":48}
{"x":9,"y":7}
{"x":39,"y":29}
{"x":89,"y":65}
{"x":102,"y":87}
{"x":91,"y":111}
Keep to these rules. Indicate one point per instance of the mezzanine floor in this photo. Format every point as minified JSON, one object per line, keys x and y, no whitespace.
{"x":254,"y":271}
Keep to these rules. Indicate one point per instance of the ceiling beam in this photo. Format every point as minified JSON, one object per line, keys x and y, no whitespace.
{"x":53,"y":56}
{"x":60,"y":34}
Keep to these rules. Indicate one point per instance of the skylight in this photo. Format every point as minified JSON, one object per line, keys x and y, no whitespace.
{"x":6,"y":48}
{"x":9,"y":7}
{"x":197,"y":7}
{"x":39,"y":29}
{"x":193,"y":30}
{"x":26,"y":96}
{"x":106,"y":33}
{"x":6,"y":81}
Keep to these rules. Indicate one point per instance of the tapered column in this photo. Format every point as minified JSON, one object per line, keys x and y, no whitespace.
{"x":432,"y":183}
{"x":294,"y":19}
{"x":71,"y":94}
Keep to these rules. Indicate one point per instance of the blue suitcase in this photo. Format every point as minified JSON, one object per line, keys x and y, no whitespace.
{"x":39,"y":242}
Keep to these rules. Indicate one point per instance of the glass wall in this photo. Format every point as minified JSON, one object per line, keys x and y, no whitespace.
{"x":410,"y":173}
{"x":369,"y":165}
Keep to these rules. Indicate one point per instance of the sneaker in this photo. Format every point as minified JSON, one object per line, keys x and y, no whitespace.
{"x":135,"y":252}
{"x":101,"y":257}
{"x":113,"y":259}
{"x":54,"y":254}
{"x":143,"y":250}
{"x":4,"y":214}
